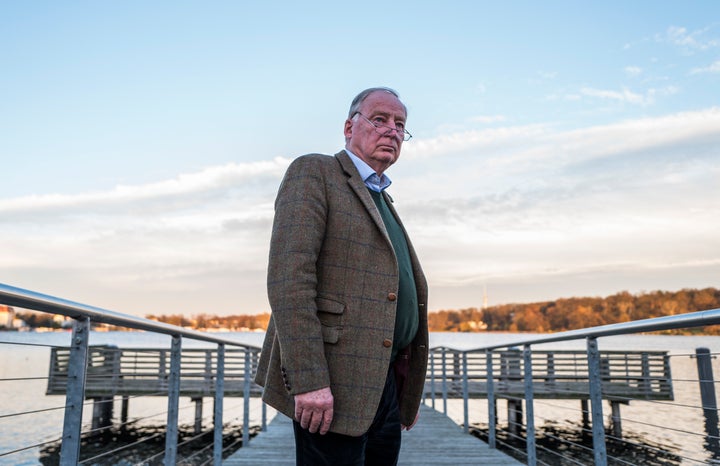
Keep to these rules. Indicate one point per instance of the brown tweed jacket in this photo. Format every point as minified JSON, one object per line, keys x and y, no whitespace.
{"x":332,"y":284}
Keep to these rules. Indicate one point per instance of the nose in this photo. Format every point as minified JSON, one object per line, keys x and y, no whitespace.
{"x":389,"y":132}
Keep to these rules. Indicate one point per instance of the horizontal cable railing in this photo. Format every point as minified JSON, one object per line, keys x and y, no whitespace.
{"x":94,"y":378}
{"x":662,"y":403}
{"x":667,"y":399}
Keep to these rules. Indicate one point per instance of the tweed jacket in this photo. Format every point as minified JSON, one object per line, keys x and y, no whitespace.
{"x":332,"y":285}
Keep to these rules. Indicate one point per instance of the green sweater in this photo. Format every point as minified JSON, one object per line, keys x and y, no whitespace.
{"x":406,"y":317}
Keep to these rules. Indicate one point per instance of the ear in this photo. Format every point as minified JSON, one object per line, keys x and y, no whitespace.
{"x":348,"y":128}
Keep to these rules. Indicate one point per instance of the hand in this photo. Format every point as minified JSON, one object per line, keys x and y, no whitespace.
{"x":314,"y":410}
{"x":404,"y":427}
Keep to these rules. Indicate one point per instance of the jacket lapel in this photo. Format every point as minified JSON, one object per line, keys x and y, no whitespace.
{"x":358,"y":185}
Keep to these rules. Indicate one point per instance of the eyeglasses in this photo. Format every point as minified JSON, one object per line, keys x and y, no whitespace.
{"x":379,"y":128}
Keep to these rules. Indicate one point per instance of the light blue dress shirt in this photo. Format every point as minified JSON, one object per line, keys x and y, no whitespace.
{"x":371,"y":179}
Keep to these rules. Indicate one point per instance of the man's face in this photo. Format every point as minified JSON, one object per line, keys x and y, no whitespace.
{"x":380,"y":147}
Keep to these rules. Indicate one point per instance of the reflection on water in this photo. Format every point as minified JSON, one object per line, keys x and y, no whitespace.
{"x":685,"y":414}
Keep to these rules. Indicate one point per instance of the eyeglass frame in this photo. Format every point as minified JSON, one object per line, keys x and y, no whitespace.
{"x":405,"y":133}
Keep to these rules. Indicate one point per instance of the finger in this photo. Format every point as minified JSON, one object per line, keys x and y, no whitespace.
{"x":305,"y":418}
{"x":326,"y":421}
{"x":315,"y":421}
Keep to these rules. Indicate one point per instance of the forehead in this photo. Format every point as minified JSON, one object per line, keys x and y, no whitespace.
{"x":383,"y":102}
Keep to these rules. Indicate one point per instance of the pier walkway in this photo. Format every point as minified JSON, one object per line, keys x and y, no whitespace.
{"x":435,"y":440}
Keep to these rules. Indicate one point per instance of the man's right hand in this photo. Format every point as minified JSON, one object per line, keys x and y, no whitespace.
{"x":314,"y":410}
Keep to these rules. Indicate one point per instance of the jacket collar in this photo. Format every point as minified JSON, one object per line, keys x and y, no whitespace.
{"x":358,"y":185}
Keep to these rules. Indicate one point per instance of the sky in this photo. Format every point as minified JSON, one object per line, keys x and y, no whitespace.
{"x":559,"y":148}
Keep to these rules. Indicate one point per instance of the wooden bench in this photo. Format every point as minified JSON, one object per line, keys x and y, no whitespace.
{"x":563,"y":374}
{"x":144,"y":371}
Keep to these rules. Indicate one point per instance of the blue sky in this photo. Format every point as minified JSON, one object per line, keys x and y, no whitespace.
{"x":560,"y":148}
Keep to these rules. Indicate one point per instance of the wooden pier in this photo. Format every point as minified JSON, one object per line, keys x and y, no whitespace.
{"x":626,"y":375}
{"x":563,"y":374}
{"x":435,"y":440}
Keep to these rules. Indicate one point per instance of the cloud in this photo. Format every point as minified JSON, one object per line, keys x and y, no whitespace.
{"x":165,"y":237}
{"x":488,"y":119}
{"x":548,"y":75}
{"x":528,"y":147}
{"x":690,"y":41}
{"x":633,"y":71}
{"x":504,"y":205}
{"x":184,"y":185}
{"x":712,"y":68}
{"x":625,"y":95}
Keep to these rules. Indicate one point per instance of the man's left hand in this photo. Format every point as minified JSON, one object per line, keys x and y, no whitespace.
{"x":404,"y":427}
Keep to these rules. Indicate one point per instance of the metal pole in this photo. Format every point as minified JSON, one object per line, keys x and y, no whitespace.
{"x":246,"y":401}
{"x":171,"y":435}
{"x":465,"y":391}
{"x":77,"y":373}
{"x":529,"y":408}
{"x":218,"y":417}
{"x":492,"y":408}
{"x":709,"y":402}
{"x":432,"y":379}
{"x":264,"y":416}
{"x":444,"y":381}
{"x":595,"y":381}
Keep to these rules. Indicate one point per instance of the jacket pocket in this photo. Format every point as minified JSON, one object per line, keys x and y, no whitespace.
{"x":330,"y":313}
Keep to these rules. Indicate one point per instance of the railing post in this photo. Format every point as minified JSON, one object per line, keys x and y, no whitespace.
{"x":218,"y":415}
{"x":598,"y":429}
{"x":708,"y":399}
{"x":77,"y":373}
{"x":492,"y":413}
{"x":246,"y":400}
{"x":529,"y":407}
{"x":444,"y":381}
{"x":264,"y":417}
{"x":432,"y":379}
{"x":171,"y":435}
{"x":465,"y":391}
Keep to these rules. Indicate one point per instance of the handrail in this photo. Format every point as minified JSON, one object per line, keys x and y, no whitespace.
{"x":655,"y":324}
{"x":594,"y":374}
{"x":27,"y":299}
{"x":83,"y":315}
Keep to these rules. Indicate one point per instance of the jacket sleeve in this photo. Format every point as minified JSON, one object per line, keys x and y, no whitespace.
{"x":297,"y":238}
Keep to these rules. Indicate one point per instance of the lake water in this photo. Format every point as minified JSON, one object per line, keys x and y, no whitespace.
{"x":30,"y":359}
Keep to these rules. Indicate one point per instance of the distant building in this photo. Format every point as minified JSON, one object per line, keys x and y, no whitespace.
{"x":7,"y":318}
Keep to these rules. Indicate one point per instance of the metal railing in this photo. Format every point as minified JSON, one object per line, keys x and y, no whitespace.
{"x":514,"y":371}
{"x":483,"y":373}
{"x":78,"y":356}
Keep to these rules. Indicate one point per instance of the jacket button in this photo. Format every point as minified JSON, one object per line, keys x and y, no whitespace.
{"x":387,"y":343}
{"x":392,"y":296}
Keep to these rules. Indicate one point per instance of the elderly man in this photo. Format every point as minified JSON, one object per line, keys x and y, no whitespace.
{"x":345,"y":353}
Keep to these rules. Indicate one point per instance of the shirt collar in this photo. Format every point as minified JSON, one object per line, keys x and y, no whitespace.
{"x":368,"y":175}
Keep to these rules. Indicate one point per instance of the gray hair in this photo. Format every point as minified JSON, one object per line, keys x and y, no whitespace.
{"x":358,"y":100}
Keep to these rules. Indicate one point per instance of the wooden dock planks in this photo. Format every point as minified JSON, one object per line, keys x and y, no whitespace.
{"x":435,"y":440}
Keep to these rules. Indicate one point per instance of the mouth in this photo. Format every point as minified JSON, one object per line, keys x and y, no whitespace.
{"x":388,"y":148}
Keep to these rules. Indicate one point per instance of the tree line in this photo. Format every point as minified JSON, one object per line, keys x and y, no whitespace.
{"x":549,"y":316}
{"x":574,"y":313}
{"x":235,"y":323}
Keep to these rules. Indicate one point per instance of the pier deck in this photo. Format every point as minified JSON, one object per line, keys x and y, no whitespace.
{"x":435,"y":440}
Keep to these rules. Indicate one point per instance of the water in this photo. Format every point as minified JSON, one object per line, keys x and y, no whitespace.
{"x":23,"y":361}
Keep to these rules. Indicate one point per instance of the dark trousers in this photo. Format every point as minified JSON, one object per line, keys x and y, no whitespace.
{"x":379,"y":446}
